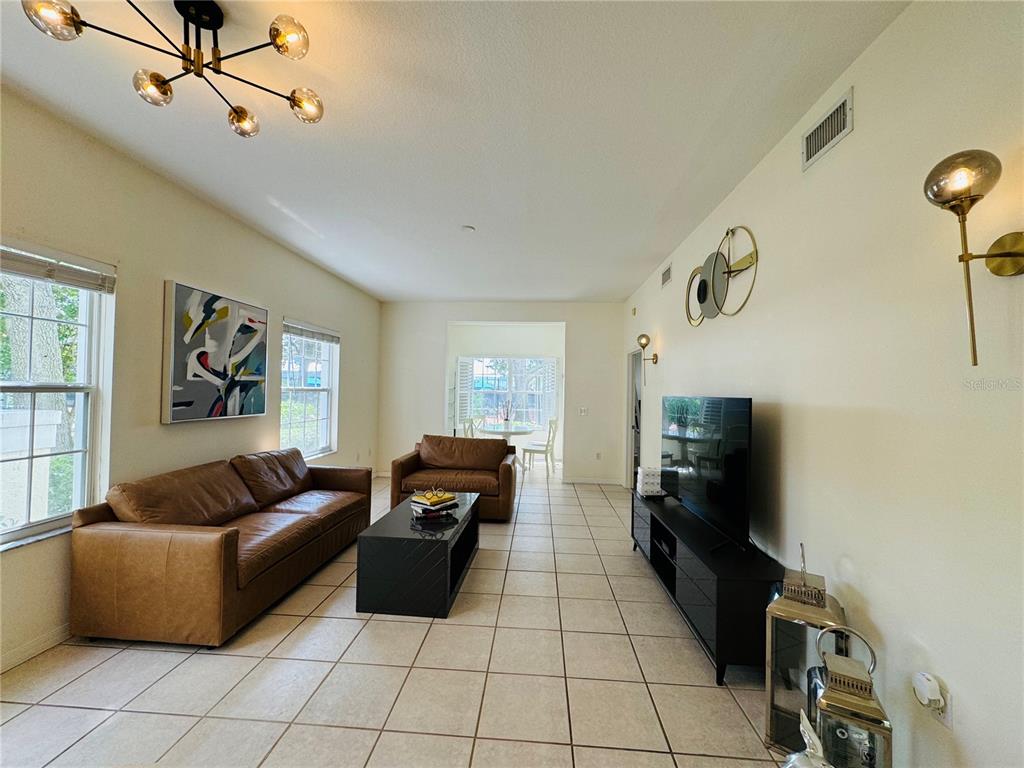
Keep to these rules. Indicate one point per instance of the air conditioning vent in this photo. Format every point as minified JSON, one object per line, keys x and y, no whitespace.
{"x":829,"y":131}
{"x":666,"y":276}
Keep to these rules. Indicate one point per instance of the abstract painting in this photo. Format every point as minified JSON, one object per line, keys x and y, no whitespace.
{"x":215,"y":356}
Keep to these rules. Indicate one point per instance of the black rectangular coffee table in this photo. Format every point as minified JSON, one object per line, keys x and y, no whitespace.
{"x":413,"y":568}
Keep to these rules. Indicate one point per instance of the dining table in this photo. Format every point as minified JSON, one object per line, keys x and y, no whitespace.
{"x":508,"y":431}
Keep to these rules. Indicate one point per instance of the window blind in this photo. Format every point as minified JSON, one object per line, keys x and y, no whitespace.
{"x":94,"y":277}
{"x":310,"y":332}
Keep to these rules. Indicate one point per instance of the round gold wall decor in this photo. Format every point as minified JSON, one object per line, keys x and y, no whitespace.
{"x":715,"y":274}
{"x":697,"y":319}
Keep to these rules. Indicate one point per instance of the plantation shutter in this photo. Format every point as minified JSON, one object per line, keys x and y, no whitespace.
{"x":464,"y":389}
{"x":552,"y":376}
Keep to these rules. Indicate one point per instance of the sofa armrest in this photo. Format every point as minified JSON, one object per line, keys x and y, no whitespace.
{"x":400,"y":467}
{"x":154,"y":582}
{"x":97,"y":513}
{"x":357,"y":479}
{"x":507,"y":476}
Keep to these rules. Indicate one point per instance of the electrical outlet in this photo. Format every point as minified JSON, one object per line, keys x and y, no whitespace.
{"x":583,"y":410}
{"x":357,"y":455}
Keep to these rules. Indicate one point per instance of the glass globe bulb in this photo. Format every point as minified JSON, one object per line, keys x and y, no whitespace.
{"x":243,"y":122}
{"x":306,"y":105}
{"x":289,"y":37}
{"x":153,"y":88}
{"x":961,"y":180}
{"x":56,"y":18}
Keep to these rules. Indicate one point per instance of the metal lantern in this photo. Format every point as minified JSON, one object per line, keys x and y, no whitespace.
{"x":854,"y":729}
{"x":799,"y":610}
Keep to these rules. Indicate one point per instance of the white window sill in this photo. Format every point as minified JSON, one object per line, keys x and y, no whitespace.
{"x":328,"y":452}
{"x":34,"y":538}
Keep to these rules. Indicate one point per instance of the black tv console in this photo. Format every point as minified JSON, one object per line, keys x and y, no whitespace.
{"x":722,"y":591}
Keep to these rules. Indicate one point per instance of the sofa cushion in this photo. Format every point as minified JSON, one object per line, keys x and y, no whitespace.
{"x":480,"y":481}
{"x":328,"y":507}
{"x":438,"y":451}
{"x":273,"y":475}
{"x":266,"y":538}
{"x":208,"y":494}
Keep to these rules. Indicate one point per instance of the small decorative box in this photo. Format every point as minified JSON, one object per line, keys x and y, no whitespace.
{"x":648,"y":481}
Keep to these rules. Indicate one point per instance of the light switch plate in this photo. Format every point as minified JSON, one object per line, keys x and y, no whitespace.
{"x":583,"y":411}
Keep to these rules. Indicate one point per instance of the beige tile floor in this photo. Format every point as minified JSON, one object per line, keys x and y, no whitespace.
{"x":561,"y":650}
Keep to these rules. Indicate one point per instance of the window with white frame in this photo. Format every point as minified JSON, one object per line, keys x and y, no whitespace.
{"x":310,"y":364}
{"x":527,"y":389}
{"x":50,"y":314}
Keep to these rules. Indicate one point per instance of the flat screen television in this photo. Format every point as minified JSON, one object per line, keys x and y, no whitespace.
{"x":705,"y":460}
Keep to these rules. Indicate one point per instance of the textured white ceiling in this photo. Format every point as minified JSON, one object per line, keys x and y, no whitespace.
{"x":584,"y":141}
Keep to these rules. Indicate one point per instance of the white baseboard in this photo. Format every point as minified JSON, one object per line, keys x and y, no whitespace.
{"x":33,"y":647}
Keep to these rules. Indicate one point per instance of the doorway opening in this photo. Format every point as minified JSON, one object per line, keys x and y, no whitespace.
{"x":506,"y":379}
{"x":633,"y":418}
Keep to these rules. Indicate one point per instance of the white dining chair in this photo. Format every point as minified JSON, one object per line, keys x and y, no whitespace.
{"x":468,"y":428}
{"x":545,"y":449}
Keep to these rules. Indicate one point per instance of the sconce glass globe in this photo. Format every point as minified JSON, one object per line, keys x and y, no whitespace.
{"x":306,"y":105}
{"x":56,"y":18}
{"x":962,"y":179}
{"x":153,"y":88}
{"x":289,"y":37}
{"x":243,"y":122}
{"x":643,"y":340}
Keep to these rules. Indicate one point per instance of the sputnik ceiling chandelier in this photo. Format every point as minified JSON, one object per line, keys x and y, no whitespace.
{"x":60,"y":20}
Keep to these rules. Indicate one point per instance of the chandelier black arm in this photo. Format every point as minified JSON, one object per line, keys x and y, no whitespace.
{"x":90,"y":25}
{"x":249,"y":82}
{"x":246,"y":50}
{"x":154,"y":26}
{"x":217,"y":91}
{"x":178,"y":76}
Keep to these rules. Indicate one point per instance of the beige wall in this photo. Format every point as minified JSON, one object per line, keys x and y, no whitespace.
{"x":64,"y":189}
{"x":872,"y":443}
{"x":412,"y":383}
{"x":513,"y":340}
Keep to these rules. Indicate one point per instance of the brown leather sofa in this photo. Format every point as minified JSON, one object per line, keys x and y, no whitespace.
{"x":466,"y":464}
{"x":193,"y":555}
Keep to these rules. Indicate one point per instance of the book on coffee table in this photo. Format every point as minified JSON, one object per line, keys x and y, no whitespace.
{"x":440,"y":510}
{"x":432,"y":499}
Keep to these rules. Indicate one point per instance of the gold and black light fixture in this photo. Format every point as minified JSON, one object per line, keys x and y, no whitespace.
{"x":957,"y":184}
{"x":644,"y":341}
{"x":61,"y":21}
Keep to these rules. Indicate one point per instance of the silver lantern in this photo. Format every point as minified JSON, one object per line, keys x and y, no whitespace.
{"x":799,"y":610}
{"x":854,"y":729}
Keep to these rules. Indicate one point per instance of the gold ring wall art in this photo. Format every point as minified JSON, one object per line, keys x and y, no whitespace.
{"x":714,"y":276}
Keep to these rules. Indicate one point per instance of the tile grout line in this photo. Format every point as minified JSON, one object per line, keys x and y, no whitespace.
{"x":119,"y":709}
{"x":227,"y":693}
{"x":398,"y":695}
{"x":565,"y":668}
{"x":79,"y":739}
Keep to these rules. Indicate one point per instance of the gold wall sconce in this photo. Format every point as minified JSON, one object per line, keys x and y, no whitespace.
{"x":644,"y":341}
{"x":957,"y":184}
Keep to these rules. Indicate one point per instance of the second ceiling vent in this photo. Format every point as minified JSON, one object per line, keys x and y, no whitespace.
{"x":828,"y":131}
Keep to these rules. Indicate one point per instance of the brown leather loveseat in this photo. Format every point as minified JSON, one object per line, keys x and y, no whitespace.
{"x":464,"y":464}
{"x":193,"y":555}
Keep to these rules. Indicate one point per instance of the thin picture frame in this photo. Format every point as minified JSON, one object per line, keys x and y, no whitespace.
{"x":214,"y":365}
